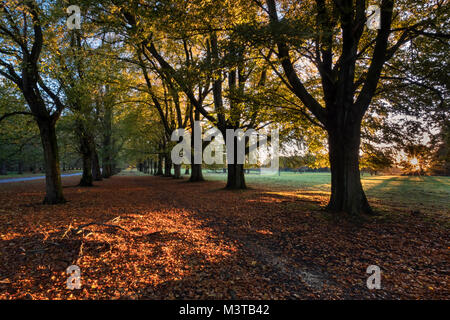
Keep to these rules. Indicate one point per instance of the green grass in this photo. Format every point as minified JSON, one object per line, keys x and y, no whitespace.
{"x":401,"y":192}
{"x":385,"y":193}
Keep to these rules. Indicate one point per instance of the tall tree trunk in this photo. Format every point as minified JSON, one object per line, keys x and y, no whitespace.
{"x":196,"y":173}
{"x":96,"y":172}
{"x":177,"y":171}
{"x":235,"y":172}
{"x":347,"y":194}
{"x":159,"y":171}
{"x":236,"y":177}
{"x":87,"y":177}
{"x":107,"y":144}
{"x":167,"y":165}
{"x":53,"y":185}
{"x":86,"y":155}
{"x":196,"y":169}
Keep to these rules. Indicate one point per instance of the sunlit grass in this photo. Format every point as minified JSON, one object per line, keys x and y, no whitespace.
{"x":406,"y":192}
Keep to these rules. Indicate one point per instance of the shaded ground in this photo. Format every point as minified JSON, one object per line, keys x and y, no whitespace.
{"x":198,"y":241}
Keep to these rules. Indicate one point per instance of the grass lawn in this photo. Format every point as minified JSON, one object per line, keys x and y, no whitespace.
{"x":429,"y":194}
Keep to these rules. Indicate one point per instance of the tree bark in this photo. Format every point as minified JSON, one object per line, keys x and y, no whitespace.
{"x":87,"y":177}
{"x":96,"y":172}
{"x":107,"y":144}
{"x":196,"y":173}
{"x":235,"y":172}
{"x":347,"y":194}
{"x":159,"y":171}
{"x":151,"y":166}
{"x":53,"y":186}
{"x":167,"y":166}
{"x":177,"y":171}
{"x":236,"y":177}
{"x":86,"y":155}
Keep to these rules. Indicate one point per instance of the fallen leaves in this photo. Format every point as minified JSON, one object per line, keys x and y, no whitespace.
{"x":158,"y":238}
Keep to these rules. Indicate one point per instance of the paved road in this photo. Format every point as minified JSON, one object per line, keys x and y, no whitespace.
{"x":35,"y":178}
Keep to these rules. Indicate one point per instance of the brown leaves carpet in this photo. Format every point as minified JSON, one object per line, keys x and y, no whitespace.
{"x":197,"y":241}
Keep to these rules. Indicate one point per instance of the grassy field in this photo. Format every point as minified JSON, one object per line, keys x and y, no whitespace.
{"x":429,"y":194}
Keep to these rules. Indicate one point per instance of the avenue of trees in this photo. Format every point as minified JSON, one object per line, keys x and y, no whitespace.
{"x":112,"y":92}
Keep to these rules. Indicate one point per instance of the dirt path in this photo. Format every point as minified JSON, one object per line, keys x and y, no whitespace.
{"x":194,"y":241}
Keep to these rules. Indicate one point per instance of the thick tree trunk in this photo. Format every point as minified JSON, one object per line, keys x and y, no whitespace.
{"x":54,"y":194}
{"x":196,"y":173}
{"x":87,"y":178}
{"x":96,"y":172}
{"x":106,"y":167}
{"x":177,"y":171}
{"x":236,"y":177}
{"x":167,"y":166}
{"x":235,"y":172}
{"x":347,"y":194}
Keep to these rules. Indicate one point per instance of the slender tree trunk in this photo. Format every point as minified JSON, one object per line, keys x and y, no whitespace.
{"x":151,"y":165}
{"x":147,"y":166}
{"x":107,"y":144}
{"x":86,"y":155}
{"x":53,"y":185}
{"x":159,"y":172}
{"x":347,"y":194}
{"x":167,"y":166}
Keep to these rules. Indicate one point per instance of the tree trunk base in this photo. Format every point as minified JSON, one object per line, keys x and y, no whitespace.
{"x":196,"y":173}
{"x":85,"y":184}
{"x":57,"y":200}
{"x":236,"y":177}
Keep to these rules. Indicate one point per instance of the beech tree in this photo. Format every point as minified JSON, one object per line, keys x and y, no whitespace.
{"x":332,"y":39}
{"x":22,"y":42}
